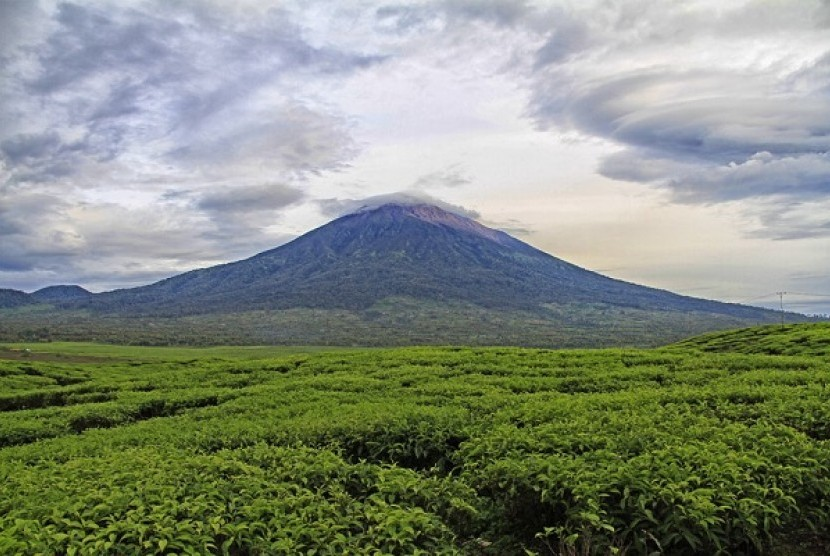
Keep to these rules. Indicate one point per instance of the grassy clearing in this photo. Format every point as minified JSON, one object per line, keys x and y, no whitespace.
{"x":416,"y":450}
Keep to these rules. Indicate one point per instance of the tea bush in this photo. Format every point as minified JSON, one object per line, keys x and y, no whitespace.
{"x":414,"y":451}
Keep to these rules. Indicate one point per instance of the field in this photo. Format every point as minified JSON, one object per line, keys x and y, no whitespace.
{"x":695,"y":448}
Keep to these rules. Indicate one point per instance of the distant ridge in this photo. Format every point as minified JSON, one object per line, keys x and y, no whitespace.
{"x":52,"y":294}
{"x":60,"y":293}
{"x":13,"y":298}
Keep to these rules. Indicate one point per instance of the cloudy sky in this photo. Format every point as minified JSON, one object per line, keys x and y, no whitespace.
{"x":682,"y":145}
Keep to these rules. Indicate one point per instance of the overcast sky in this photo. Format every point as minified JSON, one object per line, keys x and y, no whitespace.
{"x":681,"y":145}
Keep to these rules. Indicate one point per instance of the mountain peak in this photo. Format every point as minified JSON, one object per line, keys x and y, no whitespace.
{"x":434,"y":214}
{"x":402,"y":199}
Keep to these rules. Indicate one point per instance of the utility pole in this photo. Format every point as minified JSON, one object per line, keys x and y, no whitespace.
{"x":781,"y":304}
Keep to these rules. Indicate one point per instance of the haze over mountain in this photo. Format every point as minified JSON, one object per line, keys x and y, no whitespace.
{"x":414,"y":255}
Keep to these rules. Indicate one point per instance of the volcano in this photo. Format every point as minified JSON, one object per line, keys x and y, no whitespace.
{"x":405,"y":266}
{"x":417,"y":251}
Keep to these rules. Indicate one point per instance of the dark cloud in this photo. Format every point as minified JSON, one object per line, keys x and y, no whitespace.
{"x":499,"y":12}
{"x":567,"y":37}
{"x":24,"y":148}
{"x":45,"y":157}
{"x":430,"y":16}
{"x":761,"y":175}
{"x":792,"y":220}
{"x":13,"y":262}
{"x":29,"y":238}
{"x":248,"y":199}
{"x":123,"y":99}
{"x":714,"y":149}
{"x":14,"y":14}
{"x":107,"y":82}
{"x":90,"y":40}
{"x":691,"y":115}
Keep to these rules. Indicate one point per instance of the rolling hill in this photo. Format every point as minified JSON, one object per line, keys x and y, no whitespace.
{"x":791,"y":339}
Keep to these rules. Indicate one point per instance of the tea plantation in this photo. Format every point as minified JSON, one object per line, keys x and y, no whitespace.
{"x":689,"y":449}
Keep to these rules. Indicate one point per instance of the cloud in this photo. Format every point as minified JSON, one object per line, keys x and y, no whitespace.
{"x":149,"y":80}
{"x":815,"y":77}
{"x":105,"y":245}
{"x":247,"y":199}
{"x":292,"y":140}
{"x":686,"y":135}
{"x":568,"y":37}
{"x":40,"y":157}
{"x":26,"y":147}
{"x":438,"y":15}
{"x":783,"y":220}
{"x":13,"y":31}
{"x":718,"y":130}
{"x":511,"y":226}
{"x":90,"y":40}
{"x":788,"y":194}
{"x":643,"y":76}
{"x":334,"y":208}
{"x":30,"y":235}
{"x":451,"y":176}
{"x":661,"y":112}
{"x":760,"y":175}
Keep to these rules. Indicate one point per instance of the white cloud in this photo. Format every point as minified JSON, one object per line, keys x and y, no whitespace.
{"x":340,"y":207}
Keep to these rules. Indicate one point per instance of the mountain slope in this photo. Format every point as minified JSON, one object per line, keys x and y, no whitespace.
{"x":13,"y":298}
{"x":397,"y":274}
{"x":413,"y":251}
